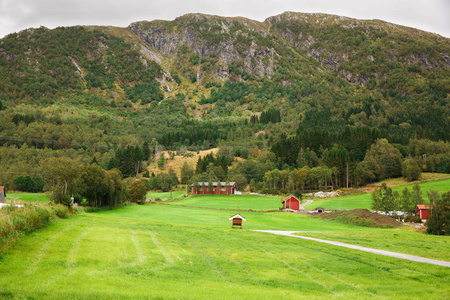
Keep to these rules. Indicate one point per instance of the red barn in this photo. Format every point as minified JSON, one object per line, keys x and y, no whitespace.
{"x":226,"y":188}
{"x":291,"y":202}
{"x":423,"y":211}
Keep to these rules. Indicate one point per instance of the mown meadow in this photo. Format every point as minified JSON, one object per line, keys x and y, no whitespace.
{"x":239,"y":202}
{"x":26,"y":197}
{"x":170,"y":252}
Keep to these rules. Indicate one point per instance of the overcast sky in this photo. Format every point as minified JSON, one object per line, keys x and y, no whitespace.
{"x":16,"y":15}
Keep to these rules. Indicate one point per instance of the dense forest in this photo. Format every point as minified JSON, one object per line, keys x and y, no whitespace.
{"x":305,"y":101}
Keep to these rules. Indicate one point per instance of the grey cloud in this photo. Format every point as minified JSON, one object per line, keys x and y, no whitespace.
{"x":16,"y":15}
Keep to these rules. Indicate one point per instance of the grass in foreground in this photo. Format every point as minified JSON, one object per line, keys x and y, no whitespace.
{"x":136,"y":252}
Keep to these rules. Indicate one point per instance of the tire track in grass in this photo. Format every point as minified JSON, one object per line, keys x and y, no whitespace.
{"x":311,"y":266}
{"x":331,"y":276}
{"x":164,"y":252}
{"x":362,"y":248}
{"x":209,"y":260}
{"x":378,"y":263}
{"x":72,"y":255}
{"x":142,"y":259}
{"x":44,"y":249}
{"x":170,"y":251}
{"x":271,"y":254}
{"x":226,"y":252}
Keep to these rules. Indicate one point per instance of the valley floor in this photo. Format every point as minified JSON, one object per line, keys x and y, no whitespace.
{"x":168,"y":252}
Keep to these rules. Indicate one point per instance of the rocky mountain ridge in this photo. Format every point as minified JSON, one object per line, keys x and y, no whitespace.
{"x":349,"y":47}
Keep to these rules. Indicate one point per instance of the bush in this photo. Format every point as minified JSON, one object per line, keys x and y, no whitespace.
{"x":61,"y":211}
{"x":413,"y":219}
{"x":18,"y":221}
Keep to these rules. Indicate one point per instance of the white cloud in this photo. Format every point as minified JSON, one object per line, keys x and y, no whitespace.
{"x":16,"y":15}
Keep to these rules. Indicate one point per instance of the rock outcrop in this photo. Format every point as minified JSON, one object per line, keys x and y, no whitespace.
{"x":225,"y":41}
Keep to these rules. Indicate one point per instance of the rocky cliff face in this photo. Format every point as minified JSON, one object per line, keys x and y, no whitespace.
{"x":355,"y":49}
{"x":361,"y":52}
{"x":225,"y":41}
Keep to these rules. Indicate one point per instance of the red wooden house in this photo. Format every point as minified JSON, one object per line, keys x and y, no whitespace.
{"x":291,"y":202}
{"x":423,"y":211}
{"x":226,"y":188}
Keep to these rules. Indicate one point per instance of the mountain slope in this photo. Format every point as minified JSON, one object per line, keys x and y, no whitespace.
{"x":201,"y":79}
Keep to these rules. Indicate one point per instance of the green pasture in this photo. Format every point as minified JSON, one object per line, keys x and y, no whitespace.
{"x":171,"y":252}
{"x":26,"y":197}
{"x":365,"y":200}
{"x":165,"y":195}
{"x":396,"y":240}
{"x":187,"y":216}
{"x":244,"y":202}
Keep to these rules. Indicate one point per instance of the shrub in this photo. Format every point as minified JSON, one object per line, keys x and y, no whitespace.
{"x":18,"y":221}
{"x":61,"y":211}
{"x":413,"y":219}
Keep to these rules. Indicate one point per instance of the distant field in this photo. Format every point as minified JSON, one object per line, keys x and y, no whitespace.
{"x":365,"y":200}
{"x":26,"y":197}
{"x":165,"y":195}
{"x":244,"y":202}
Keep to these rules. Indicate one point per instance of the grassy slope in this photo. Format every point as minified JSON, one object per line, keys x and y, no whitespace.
{"x":365,"y":200}
{"x":26,"y":197}
{"x":244,"y":202}
{"x":158,"y":251}
{"x":165,"y":195}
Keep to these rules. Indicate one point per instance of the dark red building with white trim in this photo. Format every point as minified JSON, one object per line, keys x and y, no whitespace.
{"x":226,"y":188}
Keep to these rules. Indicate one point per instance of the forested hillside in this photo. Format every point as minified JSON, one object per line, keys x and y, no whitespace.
{"x":306,"y":99}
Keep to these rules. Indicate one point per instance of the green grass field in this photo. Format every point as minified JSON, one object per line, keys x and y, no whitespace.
{"x":172,"y":252}
{"x":243,"y":202}
{"x":365,"y":200}
{"x":26,"y":197}
{"x":165,"y":195}
{"x":396,"y":240}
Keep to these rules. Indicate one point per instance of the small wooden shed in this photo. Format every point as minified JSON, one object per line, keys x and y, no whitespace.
{"x":423,"y":211}
{"x":291,"y":202}
{"x":237,"y":220}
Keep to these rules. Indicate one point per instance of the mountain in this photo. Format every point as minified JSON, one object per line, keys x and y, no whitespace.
{"x":311,"y":79}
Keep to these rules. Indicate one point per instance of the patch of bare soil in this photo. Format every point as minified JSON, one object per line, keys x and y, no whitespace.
{"x":360,"y":217}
